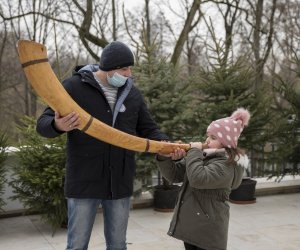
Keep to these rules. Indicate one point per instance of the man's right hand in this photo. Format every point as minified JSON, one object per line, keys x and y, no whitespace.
{"x":66,"y":123}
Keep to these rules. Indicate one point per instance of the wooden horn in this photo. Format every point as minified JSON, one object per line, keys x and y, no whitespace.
{"x":34,"y":60}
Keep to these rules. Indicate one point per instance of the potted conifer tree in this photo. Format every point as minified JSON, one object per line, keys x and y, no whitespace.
{"x":159,"y":82}
{"x":39,"y":176}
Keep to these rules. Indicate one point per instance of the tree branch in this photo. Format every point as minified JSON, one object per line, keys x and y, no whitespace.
{"x":185,"y":31}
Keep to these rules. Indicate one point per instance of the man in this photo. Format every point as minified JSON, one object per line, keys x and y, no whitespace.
{"x":99,"y":173}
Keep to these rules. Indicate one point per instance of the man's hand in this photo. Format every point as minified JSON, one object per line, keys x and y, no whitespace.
{"x":66,"y":123}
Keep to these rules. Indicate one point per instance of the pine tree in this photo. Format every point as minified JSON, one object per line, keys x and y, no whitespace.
{"x":159,"y":83}
{"x":39,"y":175}
{"x":287,"y":142}
{"x":219,"y":89}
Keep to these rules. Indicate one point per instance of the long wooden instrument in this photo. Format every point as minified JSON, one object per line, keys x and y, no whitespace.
{"x":34,"y":60}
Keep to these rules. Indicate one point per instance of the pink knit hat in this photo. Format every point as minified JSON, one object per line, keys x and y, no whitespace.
{"x":229,"y":129}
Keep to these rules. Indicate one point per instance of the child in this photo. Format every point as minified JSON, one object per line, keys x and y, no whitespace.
{"x":208,"y":172}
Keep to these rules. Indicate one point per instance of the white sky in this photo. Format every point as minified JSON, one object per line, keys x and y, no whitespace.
{"x":139,"y":4}
{"x":176,"y":19}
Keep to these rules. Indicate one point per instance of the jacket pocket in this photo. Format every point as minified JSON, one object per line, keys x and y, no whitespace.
{"x":86,"y":167}
{"x":200,"y":204}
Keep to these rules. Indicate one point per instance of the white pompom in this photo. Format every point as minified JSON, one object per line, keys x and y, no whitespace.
{"x":242,"y":115}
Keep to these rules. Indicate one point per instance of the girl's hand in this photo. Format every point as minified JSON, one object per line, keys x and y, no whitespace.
{"x":196,"y":145}
{"x":176,"y":155}
{"x":199,"y":145}
{"x":209,"y":151}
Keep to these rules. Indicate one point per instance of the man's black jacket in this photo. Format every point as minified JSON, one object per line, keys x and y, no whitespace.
{"x":96,"y":169}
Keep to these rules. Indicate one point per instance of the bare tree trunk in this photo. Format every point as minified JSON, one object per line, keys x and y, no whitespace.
{"x":148,"y":23}
{"x":3,"y":43}
{"x":185,"y":31}
{"x":189,"y":48}
{"x":114,"y":33}
{"x":257,"y":41}
{"x":229,"y":24}
{"x":260,"y":59}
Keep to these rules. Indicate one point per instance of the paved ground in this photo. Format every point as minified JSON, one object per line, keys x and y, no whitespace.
{"x":273,"y":223}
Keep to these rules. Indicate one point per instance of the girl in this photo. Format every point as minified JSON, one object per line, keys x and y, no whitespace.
{"x":209,"y":172}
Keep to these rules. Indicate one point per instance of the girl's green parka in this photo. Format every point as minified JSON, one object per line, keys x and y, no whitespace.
{"x":201,"y":215}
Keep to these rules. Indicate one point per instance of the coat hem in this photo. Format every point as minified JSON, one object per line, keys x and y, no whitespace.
{"x":196,"y":244}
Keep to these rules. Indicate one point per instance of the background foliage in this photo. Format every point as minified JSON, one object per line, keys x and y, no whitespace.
{"x":3,"y":157}
{"x":39,"y":175}
{"x":196,"y":61}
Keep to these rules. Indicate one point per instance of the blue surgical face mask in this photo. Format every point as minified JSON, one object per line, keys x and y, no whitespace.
{"x":116,"y":80}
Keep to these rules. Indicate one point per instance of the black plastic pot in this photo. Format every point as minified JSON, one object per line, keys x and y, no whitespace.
{"x":245,"y":193}
{"x":164,"y":197}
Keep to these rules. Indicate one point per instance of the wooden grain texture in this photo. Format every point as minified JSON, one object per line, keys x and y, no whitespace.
{"x":34,"y":59}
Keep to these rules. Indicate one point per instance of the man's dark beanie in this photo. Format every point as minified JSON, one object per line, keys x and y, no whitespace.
{"x":116,"y":55}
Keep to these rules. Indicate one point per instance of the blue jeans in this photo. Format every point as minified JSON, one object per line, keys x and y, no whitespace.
{"x":81,"y":217}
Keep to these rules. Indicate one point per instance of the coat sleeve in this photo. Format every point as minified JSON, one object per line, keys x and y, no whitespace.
{"x":147,"y":127}
{"x":216,"y":174}
{"x":45,"y":124}
{"x":173,"y":171}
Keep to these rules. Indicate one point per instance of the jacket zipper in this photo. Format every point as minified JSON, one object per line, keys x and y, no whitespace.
{"x":111,"y":185}
{"x":111,"y":176}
